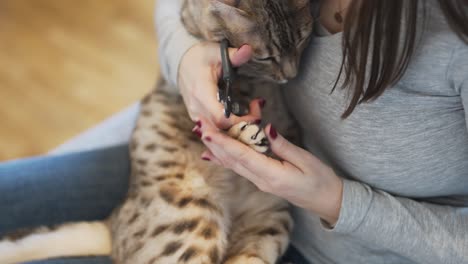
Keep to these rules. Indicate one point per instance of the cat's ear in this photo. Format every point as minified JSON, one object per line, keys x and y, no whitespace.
{"x":228,"y":11}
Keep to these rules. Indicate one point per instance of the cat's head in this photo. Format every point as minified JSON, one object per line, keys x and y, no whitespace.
{"x":277,"y":31}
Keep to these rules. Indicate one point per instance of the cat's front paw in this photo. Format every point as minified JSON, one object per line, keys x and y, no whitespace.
{"x":250,"y":134}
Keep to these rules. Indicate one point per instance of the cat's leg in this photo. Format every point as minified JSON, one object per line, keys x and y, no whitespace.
{"x":67,"y":188}
{"x":68,"y":240}
{"x":260,"y":229}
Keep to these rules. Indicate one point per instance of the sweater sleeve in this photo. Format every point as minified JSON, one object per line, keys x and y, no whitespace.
{"x":421,"y":231}
{"x":457,"y":74}
{"x":174,"y":40}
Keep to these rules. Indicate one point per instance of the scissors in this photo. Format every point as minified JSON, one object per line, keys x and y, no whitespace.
{"x":225,"y":88}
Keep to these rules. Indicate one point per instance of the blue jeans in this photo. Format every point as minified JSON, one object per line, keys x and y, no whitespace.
{"x":72,"y":187}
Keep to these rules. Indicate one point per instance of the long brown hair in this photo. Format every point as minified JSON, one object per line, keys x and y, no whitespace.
{"x":372,"y":36}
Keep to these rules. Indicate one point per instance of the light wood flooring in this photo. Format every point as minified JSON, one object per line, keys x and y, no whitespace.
{"x":66,"y":65}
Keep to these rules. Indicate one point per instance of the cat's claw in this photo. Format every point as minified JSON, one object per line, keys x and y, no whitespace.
{"x":251,"y":135}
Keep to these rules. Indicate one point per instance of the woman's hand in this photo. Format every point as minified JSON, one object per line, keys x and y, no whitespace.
{"x":299,"y":177}
{"x":199,"y":72}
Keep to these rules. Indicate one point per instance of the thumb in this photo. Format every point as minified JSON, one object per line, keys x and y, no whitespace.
{"x":241,"y":55}
{"x":285,"y":149}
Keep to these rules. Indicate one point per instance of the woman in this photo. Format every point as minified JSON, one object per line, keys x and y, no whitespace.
{"x":383,"y":176}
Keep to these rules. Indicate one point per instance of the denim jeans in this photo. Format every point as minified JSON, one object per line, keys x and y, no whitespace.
{"x":73,"y":187}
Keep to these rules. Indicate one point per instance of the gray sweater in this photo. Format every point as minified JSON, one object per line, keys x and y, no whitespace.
{"x":403,"y":157}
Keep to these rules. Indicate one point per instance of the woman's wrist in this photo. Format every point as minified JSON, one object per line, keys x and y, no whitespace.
{"x":328,"y":200}
{"x":187,"y":59}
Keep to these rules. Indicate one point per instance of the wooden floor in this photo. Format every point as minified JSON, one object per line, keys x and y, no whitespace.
{"x":66,"y":65}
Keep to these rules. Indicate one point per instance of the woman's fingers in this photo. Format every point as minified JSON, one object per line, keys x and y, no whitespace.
{"x":232,"y":153}
{"x":199,"y":72}
{"x":236,"y":155}
{"x":241,"y":55}
{"x":254,"y":115}
{"x":255,"y":107}
{"x":286,"y":150}
{"x":214,"y":111}
{"x":238,"y":56}
{"x":207,"y":104}
{"x":208,"y":156}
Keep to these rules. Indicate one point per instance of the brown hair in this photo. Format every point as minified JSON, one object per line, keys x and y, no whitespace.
{"x":372,"y":36}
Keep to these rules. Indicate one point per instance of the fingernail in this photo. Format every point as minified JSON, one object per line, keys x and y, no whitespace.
{"x":198,"y":133}
{"x":208,"y":139}
{"x":206,"y":158}
{"x":262,"y":102}
{"x":198,"y":123}
{"x":241,"y":46}
{"x":258,"y":121}
{"x":273,"y":133}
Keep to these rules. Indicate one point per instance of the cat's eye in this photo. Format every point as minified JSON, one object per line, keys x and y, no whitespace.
{"x":265,"y":59}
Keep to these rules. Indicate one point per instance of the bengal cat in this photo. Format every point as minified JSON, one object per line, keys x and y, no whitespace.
{"x":181,"y":209}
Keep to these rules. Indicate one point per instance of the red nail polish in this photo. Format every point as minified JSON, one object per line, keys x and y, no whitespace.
{"x":262,"y":102}
{"x":198,"y":133}
{"x":208,"y":139}
{"x":198,"y":123}
{"x":206,"y":158}
{"x":258,"y":121}
{"x":273,"y":133}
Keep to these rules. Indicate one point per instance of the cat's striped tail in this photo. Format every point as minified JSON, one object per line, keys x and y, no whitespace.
{"x":68,"y":240}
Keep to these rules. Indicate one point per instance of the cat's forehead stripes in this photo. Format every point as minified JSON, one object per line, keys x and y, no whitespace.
{"x":280,"y":29}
